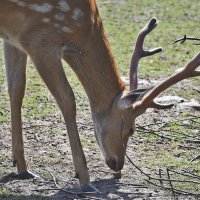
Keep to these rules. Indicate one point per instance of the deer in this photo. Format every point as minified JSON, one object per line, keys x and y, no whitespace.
{"x":48,"y":31}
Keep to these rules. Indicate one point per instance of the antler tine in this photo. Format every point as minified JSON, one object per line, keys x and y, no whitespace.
{"x":139,"y":52}
{"x":188,"y":71}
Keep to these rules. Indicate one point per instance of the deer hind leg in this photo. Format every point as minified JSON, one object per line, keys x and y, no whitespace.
{"x":15,"y":61}
{"x":51,"y":70}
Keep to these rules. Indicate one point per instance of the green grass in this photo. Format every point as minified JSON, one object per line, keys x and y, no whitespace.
{"x":162,"y":153}
{"x":175,"y":20}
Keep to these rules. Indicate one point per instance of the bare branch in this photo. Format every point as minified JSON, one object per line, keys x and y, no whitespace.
{"x":184,"y":38}
{"x":164,"y":179}
{"x":171,"y":185}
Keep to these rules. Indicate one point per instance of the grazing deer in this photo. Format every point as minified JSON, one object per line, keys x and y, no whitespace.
{"x":49,"y":30}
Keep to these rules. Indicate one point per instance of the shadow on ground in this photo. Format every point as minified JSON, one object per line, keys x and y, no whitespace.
{"x":109,"y":188}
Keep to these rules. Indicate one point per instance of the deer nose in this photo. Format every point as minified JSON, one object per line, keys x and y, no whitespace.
{"x":114,"y":164}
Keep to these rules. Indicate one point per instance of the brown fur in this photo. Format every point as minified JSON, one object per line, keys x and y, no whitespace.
{"x":88,"y":52}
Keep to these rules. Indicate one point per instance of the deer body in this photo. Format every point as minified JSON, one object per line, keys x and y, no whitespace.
{"x":48,"y":30}
{"x":38,"y":24}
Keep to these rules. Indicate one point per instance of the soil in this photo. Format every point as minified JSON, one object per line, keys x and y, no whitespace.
{"x":48,"y":155}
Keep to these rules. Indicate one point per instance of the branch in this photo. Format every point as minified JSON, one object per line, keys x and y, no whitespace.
{"x":184,"y":38}
{"x":164,"y":179}
{"x":170,"y":183}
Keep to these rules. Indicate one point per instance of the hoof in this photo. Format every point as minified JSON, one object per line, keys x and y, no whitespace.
{"x":90,"y":189}
{"x":117,"y":175}
{"x":27,"y":175}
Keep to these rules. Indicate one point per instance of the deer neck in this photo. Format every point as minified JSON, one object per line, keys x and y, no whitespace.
{"x":96,"y":70}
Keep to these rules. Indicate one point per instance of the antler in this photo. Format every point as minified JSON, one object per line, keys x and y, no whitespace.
{"x":139,"y":52}
{"x":188,"y":71}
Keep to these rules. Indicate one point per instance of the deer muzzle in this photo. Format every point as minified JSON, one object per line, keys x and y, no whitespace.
{"x":115,"y":163}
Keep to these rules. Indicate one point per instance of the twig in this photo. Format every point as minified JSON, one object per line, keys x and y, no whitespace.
{"x":161,"y":136}
{"x":156,"y":132}
{"x":164,"y":124}
{"x":195,"y":158}
{"x":36,"y":137}
{"x":188,"y":147}
{"x":57,"y":187}
{"x":54,"y":180}
{"x":184,"y":38}
{"x":61,"y":189}
{"x":181,"y":192}
{"x":160,"y":176}
{"x":170,"y":183}
{"x":160,"y":179}
{"x":195,"y":121}
{"x":184,"y":173}
{"x":197,"y":90}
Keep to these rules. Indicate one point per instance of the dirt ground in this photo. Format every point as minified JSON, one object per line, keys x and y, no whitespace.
{"x":129,"y":187}
{"x":48,"y":155}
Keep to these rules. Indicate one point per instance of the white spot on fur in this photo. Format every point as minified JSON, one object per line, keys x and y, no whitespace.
{"x":14,"y":1}
{"x":56,"y":25}
{"x":43,"y":8}
{"x":46,"y":20}
{"x":63,"y":6}
{"x":22,"y":4}
{"x":77,"y":13}
{"x":18,"y":2}
{"x":59,"y":17}
{"x":66,"y":29}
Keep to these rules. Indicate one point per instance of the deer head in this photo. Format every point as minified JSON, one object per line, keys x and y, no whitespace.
{"x":114,"y":128}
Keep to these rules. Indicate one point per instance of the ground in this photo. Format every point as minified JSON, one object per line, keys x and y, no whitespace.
{"x":163,"y":140}
{"x":48,"y":154}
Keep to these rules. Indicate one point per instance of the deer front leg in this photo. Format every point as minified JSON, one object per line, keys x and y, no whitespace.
{"x":51,"y":70}
{"x":15,"y":61}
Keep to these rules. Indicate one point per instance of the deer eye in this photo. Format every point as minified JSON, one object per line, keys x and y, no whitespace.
{"x":131,"y":131}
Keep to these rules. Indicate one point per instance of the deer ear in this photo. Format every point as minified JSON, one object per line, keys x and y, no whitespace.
{"x":127,"y":100}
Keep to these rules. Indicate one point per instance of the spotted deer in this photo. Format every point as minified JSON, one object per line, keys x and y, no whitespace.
{"x":48,"y":31}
